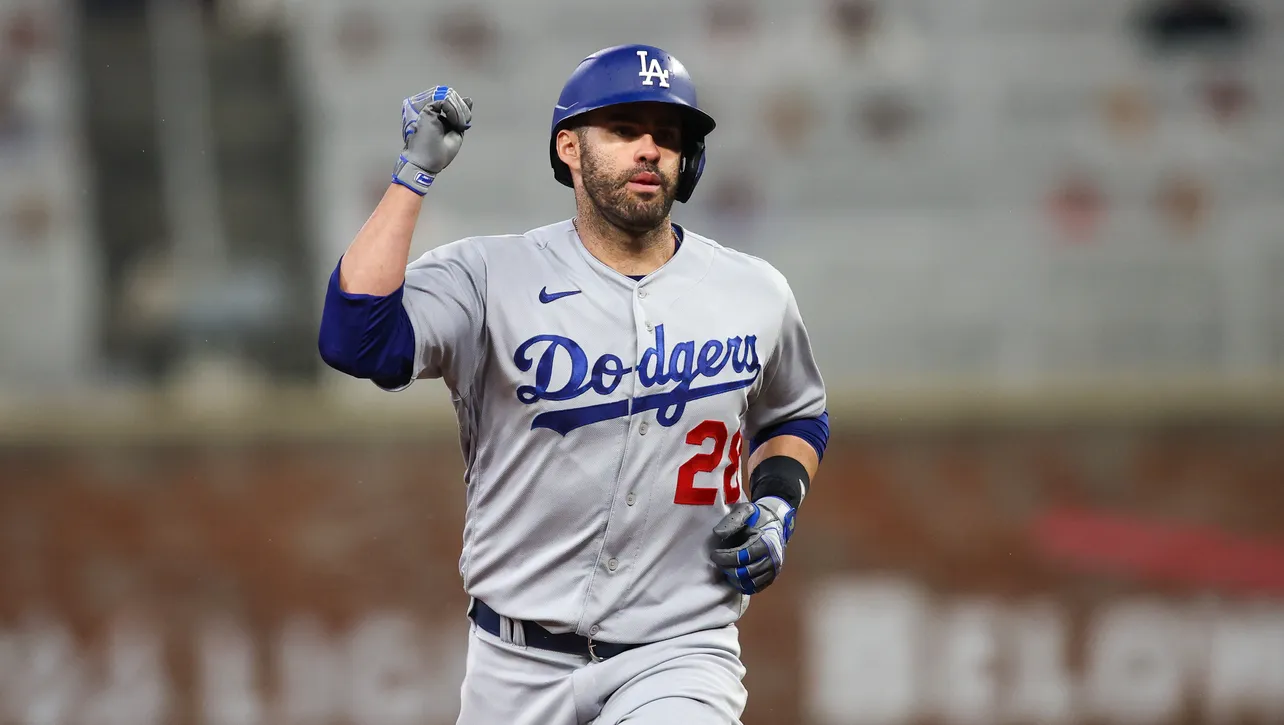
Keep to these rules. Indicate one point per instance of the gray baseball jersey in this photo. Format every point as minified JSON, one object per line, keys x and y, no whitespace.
{"x":603,"y":420}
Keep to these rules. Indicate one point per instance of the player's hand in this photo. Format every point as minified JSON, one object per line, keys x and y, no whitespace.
{"x":432,"y":131}
{"x":754,"y":535}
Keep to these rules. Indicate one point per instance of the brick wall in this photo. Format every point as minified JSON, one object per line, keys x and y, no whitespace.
{"x":316,"y":582}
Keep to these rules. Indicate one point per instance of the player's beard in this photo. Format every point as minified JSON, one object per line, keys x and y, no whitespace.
{"x":619,"y":206}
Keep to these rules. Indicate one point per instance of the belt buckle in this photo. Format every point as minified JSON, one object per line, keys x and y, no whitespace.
{"x":592,"y":650}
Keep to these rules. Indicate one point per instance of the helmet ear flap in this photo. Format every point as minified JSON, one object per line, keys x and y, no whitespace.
{"x":692,"y":168}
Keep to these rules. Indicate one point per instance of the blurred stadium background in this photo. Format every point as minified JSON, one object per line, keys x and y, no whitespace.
{"x":1039,"y":245}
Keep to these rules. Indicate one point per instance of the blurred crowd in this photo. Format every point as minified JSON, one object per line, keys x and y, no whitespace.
{"x":177,"y":178}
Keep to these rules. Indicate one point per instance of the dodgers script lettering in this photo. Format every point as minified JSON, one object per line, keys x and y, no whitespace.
{"x":685,"y":364}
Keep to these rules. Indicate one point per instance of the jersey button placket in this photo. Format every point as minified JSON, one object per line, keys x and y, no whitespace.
{"x":621,"y":529}
{"x":642,"y":294}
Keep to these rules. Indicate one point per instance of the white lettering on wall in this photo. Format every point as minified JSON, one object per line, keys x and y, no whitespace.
{"x":388,"y":674}
{"x":877,"y":652}
{"x":135,"y":687}
{"x":229,"y":673}
{"x":1041,"y":688}
{"x":1246,"y":666}
{"x":862,"y":646}
{"x":384,"y":669}
{"x":963,"y":670}
{"x":45,"y":682}
{"x":311,"y":673}
{"x":882,"y":651}
{"x":1135,"y":658}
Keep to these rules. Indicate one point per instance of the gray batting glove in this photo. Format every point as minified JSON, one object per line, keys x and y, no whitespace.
{"x":432,"y":128}
{"x":754,"y":537}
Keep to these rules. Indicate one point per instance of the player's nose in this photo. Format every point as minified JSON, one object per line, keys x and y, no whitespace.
{"x":647,"y":149}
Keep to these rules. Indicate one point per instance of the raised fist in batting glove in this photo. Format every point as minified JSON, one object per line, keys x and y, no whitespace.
{"x":432,"y":129}
{"x":754,"y":535}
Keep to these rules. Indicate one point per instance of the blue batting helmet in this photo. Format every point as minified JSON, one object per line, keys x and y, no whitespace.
{"x":629,"y":74}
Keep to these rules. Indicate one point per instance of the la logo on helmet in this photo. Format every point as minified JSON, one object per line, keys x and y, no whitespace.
{"x":653,"y":72}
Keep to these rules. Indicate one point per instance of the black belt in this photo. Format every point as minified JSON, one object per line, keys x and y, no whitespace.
{"x":540,"y":638}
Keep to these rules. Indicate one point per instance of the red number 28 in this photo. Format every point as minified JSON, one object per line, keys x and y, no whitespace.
{"x":688,"y":493}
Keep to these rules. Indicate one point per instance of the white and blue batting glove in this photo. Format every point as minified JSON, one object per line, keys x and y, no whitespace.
{"x":432,"y":131}
{"x":755,"y":534}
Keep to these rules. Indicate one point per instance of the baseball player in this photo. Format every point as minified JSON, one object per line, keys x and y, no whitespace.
{"x":609,"y":372}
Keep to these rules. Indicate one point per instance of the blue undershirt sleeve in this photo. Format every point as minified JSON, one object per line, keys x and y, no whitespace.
{"x":813,"y":430}
{"x":367,"y":336}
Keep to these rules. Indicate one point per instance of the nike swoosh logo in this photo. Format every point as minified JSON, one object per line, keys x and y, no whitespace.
{"x":545,"y":296}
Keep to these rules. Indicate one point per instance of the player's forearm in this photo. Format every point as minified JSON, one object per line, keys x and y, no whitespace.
{"x":787,"y":445}
{"x":365,"y":331}
{"x":375,"y":262}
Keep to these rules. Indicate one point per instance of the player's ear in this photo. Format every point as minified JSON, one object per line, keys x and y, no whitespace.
{"x":567,"y":144}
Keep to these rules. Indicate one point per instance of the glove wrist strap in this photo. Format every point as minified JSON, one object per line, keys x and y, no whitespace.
{"x":412,"y":177}
{"x":775,"y":505}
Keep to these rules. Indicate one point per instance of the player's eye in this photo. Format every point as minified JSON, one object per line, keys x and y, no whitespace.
{"x":667,"y":137}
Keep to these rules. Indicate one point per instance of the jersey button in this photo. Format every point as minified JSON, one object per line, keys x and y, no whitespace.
{"x":594,"y":630}
{"x":643,"y":428}
{"x":631,"y":499}
{"x":613,"y":564}
{"x":649,"y":326}
{"x":641,"y":294}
